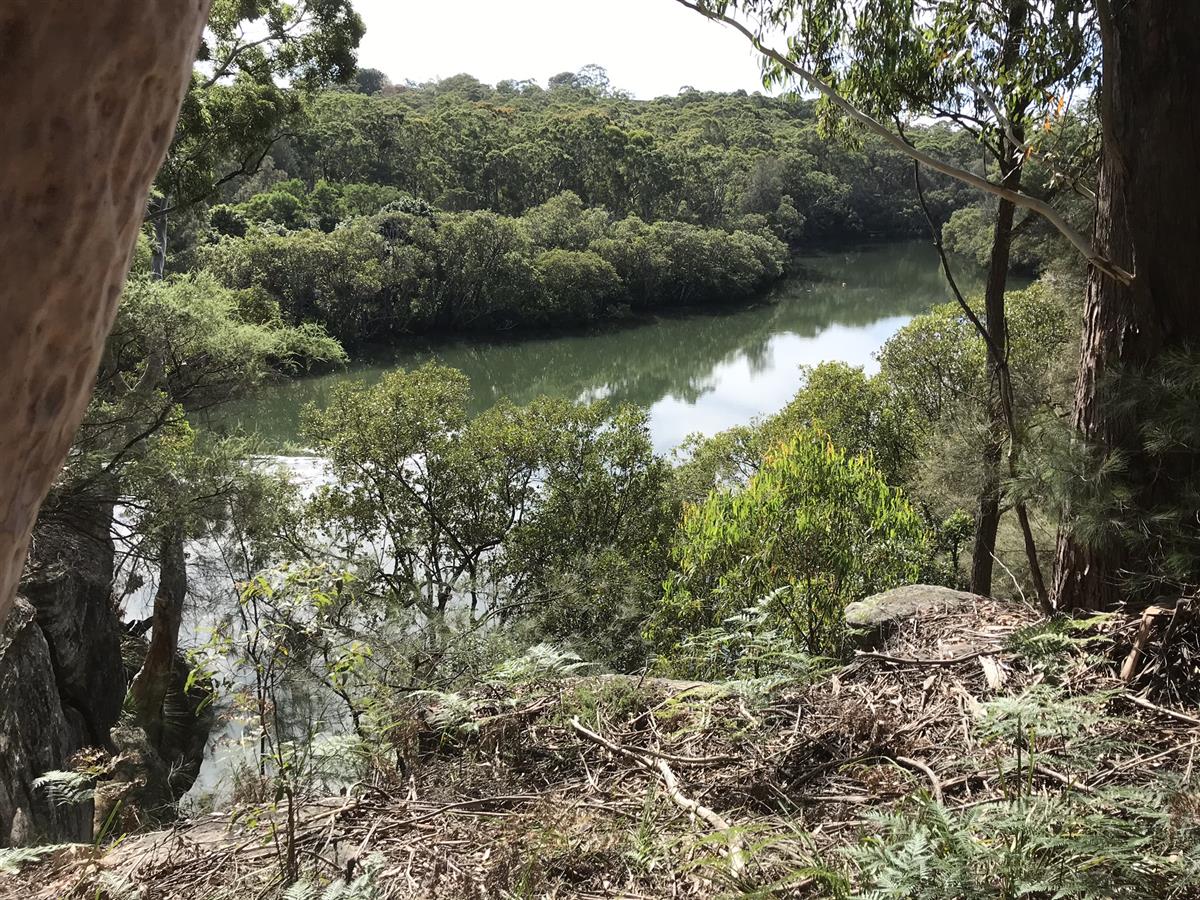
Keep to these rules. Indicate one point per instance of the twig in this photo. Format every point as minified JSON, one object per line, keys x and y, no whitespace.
{"x":467,"y":804}
{"x":903,"y":661}
{"x":737,"y":859}
{"x":1063,"y":779}
{"x":924,"y":770}
{"x":1171,"y":713}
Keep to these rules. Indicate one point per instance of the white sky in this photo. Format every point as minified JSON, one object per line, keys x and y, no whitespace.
{"x":650,"y":47}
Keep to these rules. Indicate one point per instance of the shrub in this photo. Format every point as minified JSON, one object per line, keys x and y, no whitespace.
{"x":814,"y":529}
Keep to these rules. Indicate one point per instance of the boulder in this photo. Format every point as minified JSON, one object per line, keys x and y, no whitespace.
{"x":877,"y":616}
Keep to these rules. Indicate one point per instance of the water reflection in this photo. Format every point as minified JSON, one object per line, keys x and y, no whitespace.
{"x":696,"y":372}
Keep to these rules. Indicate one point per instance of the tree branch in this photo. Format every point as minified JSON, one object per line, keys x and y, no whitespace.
{"x":1081,"y":243}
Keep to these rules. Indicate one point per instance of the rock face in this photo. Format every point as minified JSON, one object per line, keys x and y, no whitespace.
{"x":69,"y":583}
{"x":35,"y":737}
{"x":62,"y":683}
{"x":875,"y":617}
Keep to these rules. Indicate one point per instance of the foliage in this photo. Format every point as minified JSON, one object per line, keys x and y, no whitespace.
{"x":1148,"y":508}
{"x":178,"y":348}
{"x":237,"y":105}
{"x":364,"y":886}
{"x":557,"y":510}
{"x":813,"y":529}
{"x":858,"y":413}
{"x":1119,"y":842}
{"x":540,"y":662}
{"x":409,"y":268}
{"x":13,"y":859}
{"x":65,"y":788}
{"x":747,"y":653}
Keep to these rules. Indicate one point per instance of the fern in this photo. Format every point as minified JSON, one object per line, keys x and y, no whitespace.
{"x":449,"y":711}
{"x":301,"y":890}
{"x":1113,"y":844}
{"x":65,"y":788}
{"x":13,"y":859}
{"x":542,"y":662}
{"x":115,"y":887}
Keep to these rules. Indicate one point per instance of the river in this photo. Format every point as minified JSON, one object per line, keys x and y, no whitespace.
{"x":694,"y":372}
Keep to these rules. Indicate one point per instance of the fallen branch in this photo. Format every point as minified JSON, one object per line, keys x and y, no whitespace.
{"x":904,"y":661}
{"x":924,"y":770}
{"x":737,"y":853}
{"x":1129,"y":668}
{"x":1170,"y":713}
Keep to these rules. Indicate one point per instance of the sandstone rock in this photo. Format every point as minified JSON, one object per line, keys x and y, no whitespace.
{"x":69,"y":583}
{"x":875,"y":616}
{"x":35,"y":737}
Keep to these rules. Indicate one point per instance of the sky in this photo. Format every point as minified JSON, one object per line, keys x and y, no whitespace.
{"x":650,"y":47}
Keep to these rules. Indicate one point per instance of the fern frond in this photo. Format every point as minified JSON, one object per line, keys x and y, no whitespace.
{"x":65,"y":788}
{"x":13,"y":859}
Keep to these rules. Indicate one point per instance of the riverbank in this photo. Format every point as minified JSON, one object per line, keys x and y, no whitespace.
{"x":701,"y":370}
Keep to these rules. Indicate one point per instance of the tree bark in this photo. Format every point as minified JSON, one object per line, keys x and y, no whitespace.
{"x":987,"y":519}
{"x":90,"y":93}
{"x":1148,"y":222}
{"x":153,"y":680}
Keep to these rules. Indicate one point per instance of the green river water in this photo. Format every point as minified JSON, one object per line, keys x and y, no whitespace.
{"x":695,"y":372}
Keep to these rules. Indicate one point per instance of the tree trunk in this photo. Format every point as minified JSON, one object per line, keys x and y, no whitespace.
{"x":987,"y":519}
{"x":1148,"y":222}
{"x":150,"y":685}
{"x":158,"y":253}
{"x":90,"y":93}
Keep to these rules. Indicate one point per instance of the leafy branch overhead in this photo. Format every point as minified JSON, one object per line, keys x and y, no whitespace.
{"x":818,"y":43}
{"x":257,"y":63}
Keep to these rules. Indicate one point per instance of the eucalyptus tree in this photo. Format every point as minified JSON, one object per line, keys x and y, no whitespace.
{"x":1144,"y":329}
{"x":1139,"y":314}
{"x":256,"y":61}
{"x":998,"y":68}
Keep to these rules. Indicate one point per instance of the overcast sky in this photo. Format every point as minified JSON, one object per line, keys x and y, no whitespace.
{"x":650,"y":47}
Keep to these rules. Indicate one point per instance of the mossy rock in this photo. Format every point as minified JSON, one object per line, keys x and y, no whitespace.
{"x":874,"y":617}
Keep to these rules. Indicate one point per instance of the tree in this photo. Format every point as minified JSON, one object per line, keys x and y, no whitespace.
{"x":989,"y":67}
{"x":424,"y":495}
{"x":553,"y":511}
{"x":813,"y":529}
{"x":371,"y":81}
{"x":178,"y":347}
{"x":96,"y":116}
{"x":1146,"y":222}
{"x":236,"y":107}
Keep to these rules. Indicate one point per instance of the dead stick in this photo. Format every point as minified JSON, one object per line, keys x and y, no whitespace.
{"x":1172,"y":713}
{"x":1130,"y":666}
{"x":903,"y":661}
{"x":924,"y":770}
{"x":737,"y":854}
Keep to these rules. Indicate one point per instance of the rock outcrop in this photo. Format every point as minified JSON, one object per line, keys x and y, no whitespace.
{"x":35,"y":737}
{"x":69,"y":582}
{"x":874,"y":618}
{"x":62,"y":682}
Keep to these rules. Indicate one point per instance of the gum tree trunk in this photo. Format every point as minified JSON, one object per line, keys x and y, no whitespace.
{"x":90,"y":93}
{"x":1148,"y":222}
{"x":987,"y":519}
